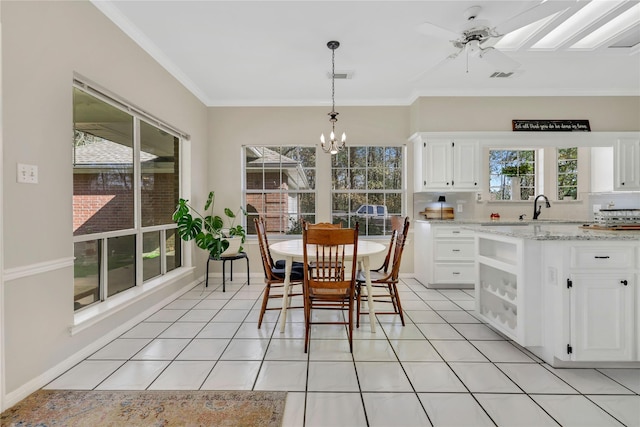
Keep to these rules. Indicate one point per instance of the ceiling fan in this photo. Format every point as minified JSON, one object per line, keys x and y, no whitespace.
{"x":477,"y":36}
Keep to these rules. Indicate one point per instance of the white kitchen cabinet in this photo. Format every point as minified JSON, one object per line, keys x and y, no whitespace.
{"x":447,"y":165}
{"x":602,"y":317}
{"x":627,"y":164}
{"x":507,"y":295}
{"x":602,"y":302}
{"x":444,"y":255}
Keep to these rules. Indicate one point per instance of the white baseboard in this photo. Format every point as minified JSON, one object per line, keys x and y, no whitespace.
{"x":45,"y":378}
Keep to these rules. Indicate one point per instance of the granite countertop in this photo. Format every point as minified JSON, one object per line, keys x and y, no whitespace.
{"x":555,"y":231}
{"x":500,"y":222}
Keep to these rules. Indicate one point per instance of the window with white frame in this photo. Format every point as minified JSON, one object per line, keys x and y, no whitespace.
{"x":512,"y":174}
{"x":280,"y":186}
{"x":367,"y":187}
{"x":126,"y":182}
{"x":567,"y":173}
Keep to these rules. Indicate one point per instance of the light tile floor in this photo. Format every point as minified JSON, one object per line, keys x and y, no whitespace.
{"x":444,"y":368}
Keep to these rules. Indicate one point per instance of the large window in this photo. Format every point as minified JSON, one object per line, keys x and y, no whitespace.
{"x":512,"y":174}
{"x":367,"y":187}
{"x":567,"y":173}
{"x":125,"y":189}
{"x":280,"y":185}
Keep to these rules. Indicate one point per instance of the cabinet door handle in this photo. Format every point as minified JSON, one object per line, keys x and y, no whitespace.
{"x":457,"y":273}
{"x":455,"y":232}
{"x":624,"y":282}
{"x":455,"y":250}
{"x":602,"y":257}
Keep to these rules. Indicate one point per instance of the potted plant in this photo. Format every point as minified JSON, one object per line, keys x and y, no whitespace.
{"x":209,"y":232}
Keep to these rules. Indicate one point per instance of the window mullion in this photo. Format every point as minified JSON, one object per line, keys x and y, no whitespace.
{"x":163,"y":251}
{"x":104,"y":269}
{"x":137,"y":210}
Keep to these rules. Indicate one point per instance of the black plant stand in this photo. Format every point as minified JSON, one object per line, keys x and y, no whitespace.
{"x":224,"y":259}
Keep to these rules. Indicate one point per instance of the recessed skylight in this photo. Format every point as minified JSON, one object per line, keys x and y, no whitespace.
{"x":517,"y":38}
{"x":579,"y":21}
{"x":611,"y":29}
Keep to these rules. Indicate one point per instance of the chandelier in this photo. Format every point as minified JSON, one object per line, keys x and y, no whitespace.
{"x":333,"y":146}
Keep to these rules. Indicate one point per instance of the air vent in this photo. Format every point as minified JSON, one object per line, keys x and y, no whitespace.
{"x":500,"y":74}
{"x":342,"y":75}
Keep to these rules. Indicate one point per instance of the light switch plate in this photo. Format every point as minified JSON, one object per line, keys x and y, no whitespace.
{"x":27,"y":174}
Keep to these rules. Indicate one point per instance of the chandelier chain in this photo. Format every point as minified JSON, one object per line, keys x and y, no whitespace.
{"x":333,"y":80}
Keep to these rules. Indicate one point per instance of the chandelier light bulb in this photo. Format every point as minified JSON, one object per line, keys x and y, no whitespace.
{"x":322,"y":139}
{"x":344,"y":137}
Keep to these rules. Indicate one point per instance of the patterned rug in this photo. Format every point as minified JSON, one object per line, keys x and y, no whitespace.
{"x":46,"y":408}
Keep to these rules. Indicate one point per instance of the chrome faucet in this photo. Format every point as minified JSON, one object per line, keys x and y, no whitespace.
{"x":537,"y":209}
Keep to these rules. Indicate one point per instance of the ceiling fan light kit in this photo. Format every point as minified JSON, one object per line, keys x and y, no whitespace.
{"x":333,"y":147}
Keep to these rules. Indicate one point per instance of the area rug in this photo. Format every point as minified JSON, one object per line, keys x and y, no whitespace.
{"x":46,"y":408}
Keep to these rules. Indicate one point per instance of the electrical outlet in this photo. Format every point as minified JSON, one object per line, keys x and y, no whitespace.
{"x":460,"y":208}
{"x":27,"y":174}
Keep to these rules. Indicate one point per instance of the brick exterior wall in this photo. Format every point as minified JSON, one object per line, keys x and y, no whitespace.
{"x":100,"y":207}
{"x":272,"y":206}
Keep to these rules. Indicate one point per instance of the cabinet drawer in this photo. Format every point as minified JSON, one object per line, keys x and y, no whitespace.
{"x":452,"y":232}
{"x":454,"y":273}
{"x":453,"y":250}
{"x":605,"y":257}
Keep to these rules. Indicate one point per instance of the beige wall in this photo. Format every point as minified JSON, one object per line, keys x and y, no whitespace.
{"x":605,"y":114}
{"x":43,"y":45}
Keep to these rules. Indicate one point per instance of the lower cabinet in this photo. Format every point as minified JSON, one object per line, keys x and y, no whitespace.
{"x":507,"y":297}
{"x":444,"y":255}
{"x":603,"y":301}
{"x":566,"y":301}
{"x":602,"y":316}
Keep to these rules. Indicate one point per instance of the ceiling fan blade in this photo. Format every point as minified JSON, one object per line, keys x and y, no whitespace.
{"x":499,"y":60}
{"x":439,"y":65}
{"x":531,"y":15}
{"x":434,"y":30}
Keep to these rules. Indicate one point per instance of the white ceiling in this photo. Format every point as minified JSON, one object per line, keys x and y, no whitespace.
{"x":256,"y":53}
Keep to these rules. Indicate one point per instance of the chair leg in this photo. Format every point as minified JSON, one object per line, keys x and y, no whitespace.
{"x":231,"y":271}
{"x":396,"y":298}
{"x":265,"y":300}
{"x":307,"y":325}
{"x":358,"y":295}
{"x":351,"y":325}
{"x":393,"y":297}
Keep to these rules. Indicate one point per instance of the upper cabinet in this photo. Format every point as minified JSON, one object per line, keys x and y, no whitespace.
{"x":627,"y":164}
{"x":446,"y":165}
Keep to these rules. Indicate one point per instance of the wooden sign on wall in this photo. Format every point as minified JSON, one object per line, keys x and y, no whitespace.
{"x":551,"y":125}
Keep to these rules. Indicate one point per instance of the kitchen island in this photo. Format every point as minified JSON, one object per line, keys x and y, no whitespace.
{"x":567,"y":293}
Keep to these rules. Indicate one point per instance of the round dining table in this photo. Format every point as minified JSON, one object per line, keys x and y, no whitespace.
{"x":293,"y":250}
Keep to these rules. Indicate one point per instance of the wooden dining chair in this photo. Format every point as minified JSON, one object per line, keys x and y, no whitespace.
{"x":384,"y":280}
{"x":308,"y":225}
{"x":274,"y":273}
{"x":322,"y":225}
{"x":325,"y":288}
